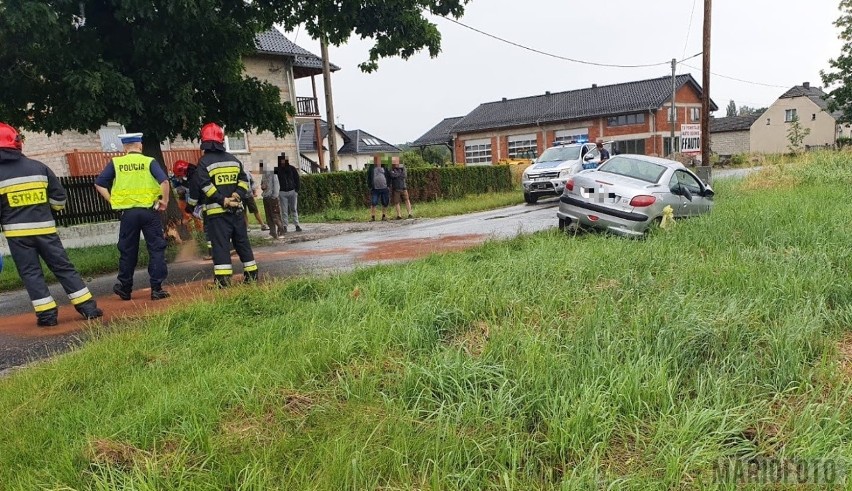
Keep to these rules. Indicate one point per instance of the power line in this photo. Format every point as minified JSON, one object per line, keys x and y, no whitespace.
{"x":559,"y":57}
{"x":610,"y":65}
{"x":739,"y":79}
{"x":689,"y":29}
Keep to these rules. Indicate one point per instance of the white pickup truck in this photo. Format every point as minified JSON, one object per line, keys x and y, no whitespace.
{"x":548,"y":174}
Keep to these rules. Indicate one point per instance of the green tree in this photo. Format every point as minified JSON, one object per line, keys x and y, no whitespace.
{"x":732,"y":109}
{"x":412,"y":159}
{"x":748,"y":111}
{"x":839,"y":76}
{"x":796,"y":135}
{"x":166,"y":66}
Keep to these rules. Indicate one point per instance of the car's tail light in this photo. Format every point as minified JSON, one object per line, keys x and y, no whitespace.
{"x":642,"y":201}
{"x":570,"y":184}
{"x":594,"y":218}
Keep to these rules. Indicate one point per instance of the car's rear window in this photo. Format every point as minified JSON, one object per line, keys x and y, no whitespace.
{"x":634,"y":168}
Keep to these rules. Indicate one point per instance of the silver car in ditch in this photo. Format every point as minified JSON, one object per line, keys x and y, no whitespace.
{"x":628,"y":193}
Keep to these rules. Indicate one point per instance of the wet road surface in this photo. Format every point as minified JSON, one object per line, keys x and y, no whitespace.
{"x":21,"y":341}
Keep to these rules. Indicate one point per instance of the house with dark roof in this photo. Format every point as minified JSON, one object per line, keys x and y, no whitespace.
{"x":809,"y":106}
{"x":355,"y":151}
{"x":277,"y":60}
{"x":440,"y":134}
{"x":731,"y":135}
{"x":634,"y":115}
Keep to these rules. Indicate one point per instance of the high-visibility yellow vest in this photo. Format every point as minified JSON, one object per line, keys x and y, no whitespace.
{"x":134,"y":186}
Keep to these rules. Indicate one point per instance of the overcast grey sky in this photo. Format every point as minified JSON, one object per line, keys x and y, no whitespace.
{"x":775,"y":42}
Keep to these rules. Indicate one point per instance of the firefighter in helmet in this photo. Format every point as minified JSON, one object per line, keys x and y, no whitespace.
{"x":221,"y":186}
{"x":28,"y":192}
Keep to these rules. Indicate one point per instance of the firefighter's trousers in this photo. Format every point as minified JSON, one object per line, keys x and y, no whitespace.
{"x":26,"y":252}
{"x":223,"y":230}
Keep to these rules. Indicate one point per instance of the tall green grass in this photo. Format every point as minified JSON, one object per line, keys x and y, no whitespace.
{"x":544,"y":362}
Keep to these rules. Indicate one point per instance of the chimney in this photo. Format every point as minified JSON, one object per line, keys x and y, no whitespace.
{"x":504,"y":99}
{"x":594,"y":86}
{"x":806,"y":85}
{"x":547,"y":93}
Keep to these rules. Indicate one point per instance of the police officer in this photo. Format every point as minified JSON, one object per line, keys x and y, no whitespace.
{"x":28,"y":192}
{"x":221,"y":187}
{"x":138,"y":187}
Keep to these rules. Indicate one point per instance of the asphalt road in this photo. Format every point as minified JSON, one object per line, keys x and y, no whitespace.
{"x":21,"y":341}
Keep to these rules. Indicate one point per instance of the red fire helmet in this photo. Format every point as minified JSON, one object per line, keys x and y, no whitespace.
{"x":10,"y":138}
{"x":180,"y":168}
{"x":212,"y":132}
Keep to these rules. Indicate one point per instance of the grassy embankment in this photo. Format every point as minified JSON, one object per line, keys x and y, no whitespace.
{"x":538,"y":363}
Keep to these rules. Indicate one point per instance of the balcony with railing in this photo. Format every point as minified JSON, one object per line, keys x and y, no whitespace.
{"x":307,"y":107}
{"x":308,"y":166}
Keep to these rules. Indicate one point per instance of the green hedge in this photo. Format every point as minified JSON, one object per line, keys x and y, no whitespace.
{"x":349,"y":189}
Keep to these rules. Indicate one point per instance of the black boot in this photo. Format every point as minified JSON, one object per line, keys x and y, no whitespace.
{"x":122,"y":291}
{"x":249,"y":277}
{"x":223,"y":281}
{"x":48,"y":318}
{"x":89,"y":310}
{"x":157,"y":293}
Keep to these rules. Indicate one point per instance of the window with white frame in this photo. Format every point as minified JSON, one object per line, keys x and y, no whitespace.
{"x":477,"y":151}
{"x":566,"y":136}
{"x":669,"y":113}
{"x":694,"y":114}
{"x":236,"y":142}
{"x":789,"y":115}
{"x":523,"y":146}
{"x":110,"y":142}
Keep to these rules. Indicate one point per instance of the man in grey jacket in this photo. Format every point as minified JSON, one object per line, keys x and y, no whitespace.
{"x":270,"y":188}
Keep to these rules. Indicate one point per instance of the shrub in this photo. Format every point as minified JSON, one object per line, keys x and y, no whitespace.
{"x":424,"y":184}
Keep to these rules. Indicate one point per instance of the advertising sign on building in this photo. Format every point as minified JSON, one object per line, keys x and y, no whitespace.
{"x":690,"y":138}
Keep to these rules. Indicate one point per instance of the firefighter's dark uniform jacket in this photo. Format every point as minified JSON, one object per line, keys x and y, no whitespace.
{"x":28,"y":192}
{"x":218,"y":176}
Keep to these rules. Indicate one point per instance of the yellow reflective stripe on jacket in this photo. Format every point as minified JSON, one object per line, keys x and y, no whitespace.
{"x":29,"y":228}
{"x":213,"y":209}
{"x":25,"y":183}
{"x":134,"y":186}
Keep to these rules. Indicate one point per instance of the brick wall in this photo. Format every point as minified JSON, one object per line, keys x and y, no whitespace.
{"x":51,"y":150}
{"x":730,"y":142}
{"x":652,"y":130}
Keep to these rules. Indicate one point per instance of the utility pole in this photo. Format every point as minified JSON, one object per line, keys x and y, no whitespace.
{"x":673,"y":119}
{"x":329,"y":106}
{"x":705,"y":99}
{"x":318,"y":129}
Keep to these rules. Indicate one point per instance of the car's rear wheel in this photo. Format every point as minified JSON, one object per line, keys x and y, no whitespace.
{"x":530,"y":198}
{"x":562,"y":224}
